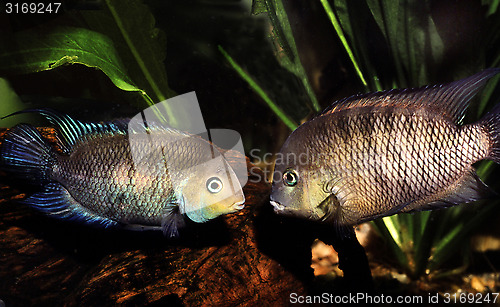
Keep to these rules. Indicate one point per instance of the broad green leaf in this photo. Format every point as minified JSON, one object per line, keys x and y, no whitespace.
{"x":411,"y":36}
{"x":34,"y":51}
{"x":387,"y":17}
{"x":141,"y":46}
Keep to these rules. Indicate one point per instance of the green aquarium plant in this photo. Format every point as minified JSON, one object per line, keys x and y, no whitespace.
{"x":121,"y":32}
{"x":398,"y":44}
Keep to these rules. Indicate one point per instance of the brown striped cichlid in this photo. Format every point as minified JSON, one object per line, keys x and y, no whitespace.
{"x":96,"y":181}
{"x":379,"y":154}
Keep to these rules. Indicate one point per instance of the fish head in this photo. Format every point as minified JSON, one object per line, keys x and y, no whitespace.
{"x":211,"y":189}
{"x":297,"y":188}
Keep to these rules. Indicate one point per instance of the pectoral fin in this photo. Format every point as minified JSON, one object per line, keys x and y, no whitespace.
{"x":172,"y":221}
{"x":334,"y":214}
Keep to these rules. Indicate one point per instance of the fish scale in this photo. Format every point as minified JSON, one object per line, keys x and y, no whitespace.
{"x":388,"y":152}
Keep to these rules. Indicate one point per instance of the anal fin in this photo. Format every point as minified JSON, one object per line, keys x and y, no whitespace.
{"x":57,"y":202}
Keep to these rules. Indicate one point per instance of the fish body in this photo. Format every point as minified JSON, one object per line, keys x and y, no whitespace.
{"x":388,"y":152}
{"x":97,"y":179}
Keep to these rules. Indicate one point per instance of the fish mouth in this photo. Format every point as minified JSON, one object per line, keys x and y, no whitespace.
{"x":239,"y":205}
{"x":277,"y":206}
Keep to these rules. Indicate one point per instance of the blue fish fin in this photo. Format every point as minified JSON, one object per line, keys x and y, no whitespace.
{"x":72,"y":131}
{"x":492,"y":124}
{"x":26,"y":155}
{"x":467,"y":189}
{"x":450,"y":99}
{"x":57,"y":202}
{"x":172,"y":221}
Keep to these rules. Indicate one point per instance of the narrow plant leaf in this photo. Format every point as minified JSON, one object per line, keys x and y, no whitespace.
{"x":389,"y":239}
{"x":393,"y":227}
{"x":485,"y":168}
{"x":348,"y":15}
{"x":406,"y":223}
{"x":492,"y":6}
{"x":422,"y":244}
{"x":457,"y":231}
{"x":38,"y":50}
{"x":283,"y":35}
{"x":445,"y":246}
{"x":273,"y":106}
{"x":340,"y":34}
{"x":436,"y":43}
{"x":425,"y":218}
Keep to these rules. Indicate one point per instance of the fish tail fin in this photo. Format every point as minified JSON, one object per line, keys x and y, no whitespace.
{"x":26,"y":155}
{"x":492,"y":124}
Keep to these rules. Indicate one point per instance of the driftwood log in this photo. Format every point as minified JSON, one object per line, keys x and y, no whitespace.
{"x":248,"y":258}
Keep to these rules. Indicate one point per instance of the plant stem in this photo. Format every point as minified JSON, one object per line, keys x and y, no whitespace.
{"x":281,"y":115}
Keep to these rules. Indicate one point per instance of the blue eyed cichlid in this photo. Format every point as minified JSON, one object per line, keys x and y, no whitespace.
{"x":379,"y":154}
{"x":96,"y":181}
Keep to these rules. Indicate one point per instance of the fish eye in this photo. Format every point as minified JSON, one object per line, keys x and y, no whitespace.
{"x":290,"y":178}
{"x":214,"y":185}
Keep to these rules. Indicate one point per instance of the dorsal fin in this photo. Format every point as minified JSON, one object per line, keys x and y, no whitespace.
{"x":452,"y":99}
{"x":136,"y":125}
{"x":71,"y":131}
